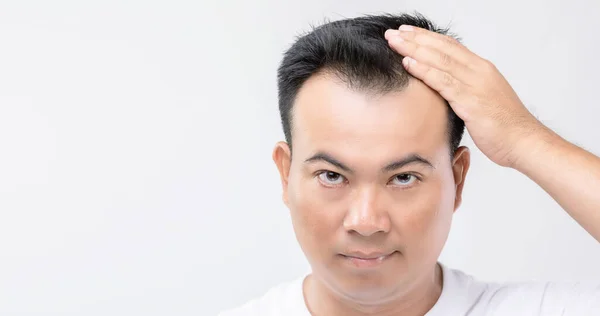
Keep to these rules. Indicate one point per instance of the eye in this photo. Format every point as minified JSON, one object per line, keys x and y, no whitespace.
{"x":331,"y":178}
{"x":404,"y":179}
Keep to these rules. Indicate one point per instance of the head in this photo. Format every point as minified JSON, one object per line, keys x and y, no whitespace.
{"x":371,"y":166}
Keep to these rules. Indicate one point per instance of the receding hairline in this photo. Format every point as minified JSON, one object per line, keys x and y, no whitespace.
{"x":370,"y":92}
{"x":354,"y":53}
{"x":359,"y":85}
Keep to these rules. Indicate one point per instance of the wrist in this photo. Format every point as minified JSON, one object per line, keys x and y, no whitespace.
{"x":533,"y":146}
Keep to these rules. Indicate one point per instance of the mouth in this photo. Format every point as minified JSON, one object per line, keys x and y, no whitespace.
{"x":372,"y":260}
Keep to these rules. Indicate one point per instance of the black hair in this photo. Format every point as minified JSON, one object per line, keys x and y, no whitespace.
{"x":355,"y":51}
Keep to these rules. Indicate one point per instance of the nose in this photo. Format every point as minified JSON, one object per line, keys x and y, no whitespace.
{"x":365,"y":215}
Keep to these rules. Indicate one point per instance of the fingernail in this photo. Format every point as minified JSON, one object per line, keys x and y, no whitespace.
{"x":396,"y":39}
{"x":404,"y":27}
{"x":407,"y":61}
{"x":391,"y":32}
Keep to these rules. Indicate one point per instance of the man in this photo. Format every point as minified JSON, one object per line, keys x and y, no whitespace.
{"x":373,"y":110}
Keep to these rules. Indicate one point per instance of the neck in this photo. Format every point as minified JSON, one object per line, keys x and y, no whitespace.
{"x":416,"y":300}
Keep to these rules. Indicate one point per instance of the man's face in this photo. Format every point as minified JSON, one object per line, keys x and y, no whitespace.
{"x":371,"y":187}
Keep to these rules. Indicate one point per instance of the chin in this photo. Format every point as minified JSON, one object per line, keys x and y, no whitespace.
{"x":369,"y":291}
{"x":371,"y":284}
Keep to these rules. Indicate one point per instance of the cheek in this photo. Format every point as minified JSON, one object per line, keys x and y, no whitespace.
{"x":426,"y":220}
{"x":314,"y":216}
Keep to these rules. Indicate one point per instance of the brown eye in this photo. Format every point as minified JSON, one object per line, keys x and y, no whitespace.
{"x":404,"y":179}
{"x":331,"y":178}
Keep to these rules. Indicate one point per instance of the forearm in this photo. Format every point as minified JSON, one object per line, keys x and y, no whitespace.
{"x":568,"y":173}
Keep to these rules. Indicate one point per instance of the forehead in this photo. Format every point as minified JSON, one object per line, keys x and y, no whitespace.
{"x":329,"y":116}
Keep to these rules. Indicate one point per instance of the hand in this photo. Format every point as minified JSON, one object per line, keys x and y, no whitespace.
{"x":498,"y":122}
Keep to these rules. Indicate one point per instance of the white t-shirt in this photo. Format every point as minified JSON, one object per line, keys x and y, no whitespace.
{"x":461,"y":295}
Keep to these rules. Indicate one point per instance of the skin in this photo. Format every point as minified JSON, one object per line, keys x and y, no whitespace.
{"x":369,"y":212}
{"x":500,"y":125}
{"x":363,"y":207}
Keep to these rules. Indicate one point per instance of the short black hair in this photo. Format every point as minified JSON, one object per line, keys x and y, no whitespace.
{"x":355,"y":51}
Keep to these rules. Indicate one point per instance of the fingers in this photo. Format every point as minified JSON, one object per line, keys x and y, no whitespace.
{"x":434,"y":49}
{"x":445,"y":84}
{"x":431,"y":57}
{"x":435,"y":40}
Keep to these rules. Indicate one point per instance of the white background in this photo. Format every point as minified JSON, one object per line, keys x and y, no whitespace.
{"x":135,"y":149}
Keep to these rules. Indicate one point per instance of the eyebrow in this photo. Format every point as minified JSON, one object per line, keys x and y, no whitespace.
{"x":409,"y":159}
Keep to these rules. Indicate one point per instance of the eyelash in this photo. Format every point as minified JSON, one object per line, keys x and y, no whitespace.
{"x":320,"y":172}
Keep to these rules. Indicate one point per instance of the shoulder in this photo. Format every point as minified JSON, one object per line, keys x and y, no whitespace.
{"x":283,"y":299}
{"x":547,"y":298}
{"x":532,"y":298}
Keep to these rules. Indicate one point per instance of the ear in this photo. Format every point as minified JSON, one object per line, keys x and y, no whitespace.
{"x":282,"y":158}
{"x":460,"y":167}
